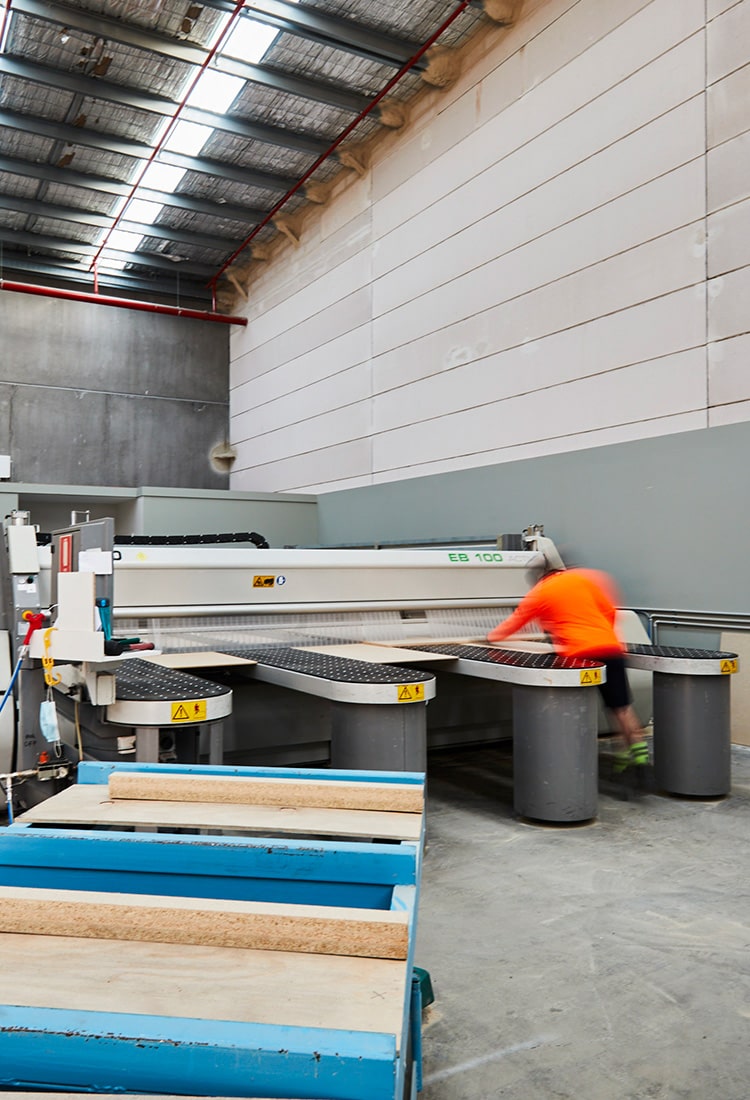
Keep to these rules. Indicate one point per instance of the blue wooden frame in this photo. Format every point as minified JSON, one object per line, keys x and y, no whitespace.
{"x":120,"y":1052}
{"x":63,"y":1049}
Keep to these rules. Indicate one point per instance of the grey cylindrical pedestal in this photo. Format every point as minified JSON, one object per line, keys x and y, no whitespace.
{"x":555,"y":758}
{"x":373,"y":737}
{"x":692,"y":738}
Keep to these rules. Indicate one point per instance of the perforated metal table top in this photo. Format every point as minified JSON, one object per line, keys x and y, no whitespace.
{"x":328,"y":667}
{"x":681,"y":660}
{"x":337,"y":678}
{"x":516,"y":667}
{"x":138,"y":680}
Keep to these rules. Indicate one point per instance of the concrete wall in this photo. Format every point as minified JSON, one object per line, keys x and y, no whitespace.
{"x":533,"y":308}
{"x":94,"y":395}
{"x":667,"y":516}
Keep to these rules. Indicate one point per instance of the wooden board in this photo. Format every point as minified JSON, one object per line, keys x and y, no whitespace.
{"x":376,"y":653}
{"x":204,"y":983}
{"x":207,"y":659}
{"x":242,"y":790}
{"x":315,"y":929}
{"x":90,"y":804}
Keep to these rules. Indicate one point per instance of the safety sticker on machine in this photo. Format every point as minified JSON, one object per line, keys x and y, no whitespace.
{"x":263,"y":582}
{"x":409,"y":693}
{"x":729,"y":665}
{"x":192,"y":711}
{"x":591,"y":676}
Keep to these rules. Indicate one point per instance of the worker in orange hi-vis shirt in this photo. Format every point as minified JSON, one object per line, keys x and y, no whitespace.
{"x":576,"y":607}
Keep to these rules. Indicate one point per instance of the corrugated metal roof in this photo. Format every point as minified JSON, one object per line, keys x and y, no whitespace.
{"x":91,"y":92}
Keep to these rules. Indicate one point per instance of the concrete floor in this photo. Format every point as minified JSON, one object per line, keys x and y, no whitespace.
{"x":609,"y":961}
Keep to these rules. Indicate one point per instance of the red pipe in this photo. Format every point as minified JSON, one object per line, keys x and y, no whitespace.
{"x":123,"y":303}
{"x":239,"y":5}
{"x":344,"y":134}
{"x":6,"y":16}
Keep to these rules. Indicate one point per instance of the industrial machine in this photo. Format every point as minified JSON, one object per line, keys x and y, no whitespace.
{"x":260,"y":656}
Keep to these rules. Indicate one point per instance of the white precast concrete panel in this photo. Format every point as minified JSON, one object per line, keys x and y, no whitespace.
{"x":649,"y":270}
{"x":644,"y":332}
{"x":727,"y":41}
{"x":729,"y":107}
{"x":566,"y":90}
{"x":602,"y":437}
{"x":729,"y":236}
{"x":647,"y":330}
{"x":729,"y":172}
{"x":523,"y":270}
{"x":280,"y":377}
{"x":657,"y":388}
{"x":728,"y":376}
{"x":728,"y":298}
{"x":327,"y":466}
{"x":658,"y":207}
{"x":344,"y":390}
{"x":452,"y":236}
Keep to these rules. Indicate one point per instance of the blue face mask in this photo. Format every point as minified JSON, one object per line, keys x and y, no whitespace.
{"x":48,"y":721}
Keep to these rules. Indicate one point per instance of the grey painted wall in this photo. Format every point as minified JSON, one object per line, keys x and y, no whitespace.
{"x":668,"y":517}
{"x":95,"y":395}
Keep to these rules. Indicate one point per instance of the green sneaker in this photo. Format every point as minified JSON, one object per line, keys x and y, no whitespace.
{"x":639,"y":754}
{"x":622,"y":761}
{"x":634,"y":756}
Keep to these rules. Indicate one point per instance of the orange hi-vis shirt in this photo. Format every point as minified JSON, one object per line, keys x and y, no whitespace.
{"x":574,"y":608}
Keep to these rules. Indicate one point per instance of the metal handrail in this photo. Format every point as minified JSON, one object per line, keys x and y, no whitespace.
{"x":710,"y":620}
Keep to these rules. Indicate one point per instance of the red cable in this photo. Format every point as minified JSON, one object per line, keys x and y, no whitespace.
{"x":239,"y":5}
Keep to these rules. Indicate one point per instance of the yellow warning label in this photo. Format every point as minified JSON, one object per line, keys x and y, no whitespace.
{"x":591,"y":676}
{"x":729,"y":665}
{"x":192,"y":711}
{"x":263,"y":582}
{"x":409,"y":693}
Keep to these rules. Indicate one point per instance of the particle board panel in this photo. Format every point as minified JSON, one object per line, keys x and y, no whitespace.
{"x":377,"y":653}
{"x":205,"y":922}
{"x":245,"y":791}
{"x":204,"y":659}
{"x":207,"y":983}
{"x":90,"y":805}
